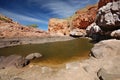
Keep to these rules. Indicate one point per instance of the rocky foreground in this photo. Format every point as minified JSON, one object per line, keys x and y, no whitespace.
{"x":103,"y":64}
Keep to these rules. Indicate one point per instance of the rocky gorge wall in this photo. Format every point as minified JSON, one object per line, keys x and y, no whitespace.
{"x":58,"y":27}
{"x":105,"y":14}
{"x":11,"y":29}
{"x":80,"y":20}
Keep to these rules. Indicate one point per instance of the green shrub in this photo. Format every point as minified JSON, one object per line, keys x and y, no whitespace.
{"x":33,"y":25}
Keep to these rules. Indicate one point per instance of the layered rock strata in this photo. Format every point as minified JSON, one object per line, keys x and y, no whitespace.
{"x":11,"y":29}
{"x":81,"y":19}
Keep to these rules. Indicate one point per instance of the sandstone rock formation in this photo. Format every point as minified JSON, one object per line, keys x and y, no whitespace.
{"x":10,"y":29}
{"x":58,"y":27}
{"x":84,"y":17}
{"x":81,"y":19}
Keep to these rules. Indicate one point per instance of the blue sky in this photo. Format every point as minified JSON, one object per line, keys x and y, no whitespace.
{"x":40,"y":11}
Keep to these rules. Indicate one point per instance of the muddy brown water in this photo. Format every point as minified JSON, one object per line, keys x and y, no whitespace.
{"x":53,"y":52}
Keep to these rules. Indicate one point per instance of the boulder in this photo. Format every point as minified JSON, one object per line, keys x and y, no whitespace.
{"x":107,"y":54}
{"x":108,"y":16}
{"x":30,"y":56}
{"x":37,"y":55}
{"x":94,"y":31}
{"x":116,"y":34}
{"x":106,"y":48}
{"x":77,"y":32}
{"x":33,"y":56}
{"x":95,"y":26}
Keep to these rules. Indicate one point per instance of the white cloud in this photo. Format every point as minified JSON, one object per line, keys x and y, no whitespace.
{"x":21,"y":17}
{"x":56,"y":7}
{"x":62,"y":9}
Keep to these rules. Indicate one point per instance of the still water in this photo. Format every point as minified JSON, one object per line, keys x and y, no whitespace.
{"x":54,"y":52}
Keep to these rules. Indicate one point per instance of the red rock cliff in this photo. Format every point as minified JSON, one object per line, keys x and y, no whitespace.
{"x":10,"y":29}
{"x":84,"y":17}
{"x":81,"y":19}
{"x":58,"y":27}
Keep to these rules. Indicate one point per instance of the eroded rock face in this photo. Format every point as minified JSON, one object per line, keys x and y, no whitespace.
{"x":10,"y":29}
{"x":81,"y":19}
{"x":58,"y":27}
{"x":84,"y":17}
{"x":108,"y":17}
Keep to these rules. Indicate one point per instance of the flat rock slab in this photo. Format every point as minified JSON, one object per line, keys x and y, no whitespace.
{"x":13,"y":60}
